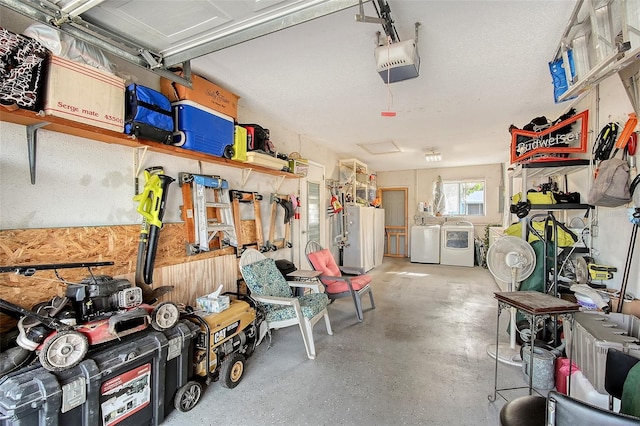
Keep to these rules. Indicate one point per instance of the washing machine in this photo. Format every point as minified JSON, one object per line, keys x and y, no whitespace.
{"x":425,"y":244}
{"x":457,"y":243}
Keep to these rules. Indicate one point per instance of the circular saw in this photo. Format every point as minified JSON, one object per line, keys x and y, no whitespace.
{"x":587,"y":270}
{"x":582,"y":270}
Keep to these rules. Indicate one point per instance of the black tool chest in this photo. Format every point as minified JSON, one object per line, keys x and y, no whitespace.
{"x":129,"y":383}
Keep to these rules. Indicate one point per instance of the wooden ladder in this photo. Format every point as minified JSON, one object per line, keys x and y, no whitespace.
{"x":248,"y":230}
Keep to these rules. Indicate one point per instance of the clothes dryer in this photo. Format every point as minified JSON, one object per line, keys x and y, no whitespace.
{"x":457,"y":244}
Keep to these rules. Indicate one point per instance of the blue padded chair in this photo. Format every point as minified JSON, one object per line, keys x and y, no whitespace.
{"x":283,"y":309}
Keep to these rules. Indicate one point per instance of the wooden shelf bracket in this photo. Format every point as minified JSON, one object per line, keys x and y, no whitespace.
{"x":278,"y":183}
{"x":245,"y":176}
{"x":138,"y":158}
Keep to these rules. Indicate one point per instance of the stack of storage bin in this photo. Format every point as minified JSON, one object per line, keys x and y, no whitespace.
{"x":592,"y":336}
{"x":131,"y":382}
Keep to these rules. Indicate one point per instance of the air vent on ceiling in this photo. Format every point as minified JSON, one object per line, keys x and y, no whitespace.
{"x":380,"y":148}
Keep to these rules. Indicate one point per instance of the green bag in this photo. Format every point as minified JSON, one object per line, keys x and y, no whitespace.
{"x":535,"y":281}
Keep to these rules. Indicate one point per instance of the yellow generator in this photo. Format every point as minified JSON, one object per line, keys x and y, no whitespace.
{"x":225,"y":341}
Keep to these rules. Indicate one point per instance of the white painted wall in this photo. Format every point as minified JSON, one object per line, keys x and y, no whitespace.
{"x":81,"y":182}
{"x":613,"y":226}
{"x":420,"y":188}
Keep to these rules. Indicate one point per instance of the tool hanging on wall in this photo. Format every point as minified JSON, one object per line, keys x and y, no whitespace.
{"x":248,"y":231}
{"x":631,"y":154}
{"x":295,"y":201}
{"x":604,"y":143}
{"x":207,"y":213}
{"x":629,"y":126}
{"x":151,"y":205}
{"x":336,"y":206}
{"x":285,"y":202}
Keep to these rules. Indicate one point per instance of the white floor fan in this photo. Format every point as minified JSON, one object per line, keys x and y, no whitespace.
{"x":510,"y":259}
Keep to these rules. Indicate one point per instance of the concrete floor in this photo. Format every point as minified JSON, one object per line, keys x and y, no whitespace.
{"x":419,"y":358}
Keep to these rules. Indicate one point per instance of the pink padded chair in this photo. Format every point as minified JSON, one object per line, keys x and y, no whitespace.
{"x":336,"y":284}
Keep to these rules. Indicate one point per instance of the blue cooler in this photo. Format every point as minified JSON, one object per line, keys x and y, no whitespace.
{"x":202,"y":129}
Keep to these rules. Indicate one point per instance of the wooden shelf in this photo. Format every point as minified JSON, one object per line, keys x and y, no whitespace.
{"x":61,"y":125}
{"x":550,"y":168}
{"x":355,"y":177}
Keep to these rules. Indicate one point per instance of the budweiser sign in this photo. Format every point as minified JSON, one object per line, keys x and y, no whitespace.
{"x":566,"y":137}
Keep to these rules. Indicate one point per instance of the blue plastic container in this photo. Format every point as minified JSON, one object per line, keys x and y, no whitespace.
{"x":199,"y":128}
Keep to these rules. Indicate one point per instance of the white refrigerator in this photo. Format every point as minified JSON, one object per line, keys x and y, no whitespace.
{"x":365,"y":239}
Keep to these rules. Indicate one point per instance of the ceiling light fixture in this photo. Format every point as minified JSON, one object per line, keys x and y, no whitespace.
{"x":433,"y":156}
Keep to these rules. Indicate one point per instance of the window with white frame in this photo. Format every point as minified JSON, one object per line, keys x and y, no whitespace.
{"x":464,"y":198}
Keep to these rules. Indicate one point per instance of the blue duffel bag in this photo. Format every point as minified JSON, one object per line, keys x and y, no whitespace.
{"x":148,"y":114}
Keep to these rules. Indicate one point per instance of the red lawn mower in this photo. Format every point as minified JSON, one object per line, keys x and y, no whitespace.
{"x":94,"y":311}
{"x":99,"y":308}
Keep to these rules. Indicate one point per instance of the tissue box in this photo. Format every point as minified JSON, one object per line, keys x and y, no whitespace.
{"x":212,"y":304}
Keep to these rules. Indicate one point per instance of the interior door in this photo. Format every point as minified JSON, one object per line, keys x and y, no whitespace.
{"x":312,"y":219}
{"x":394,"y":203}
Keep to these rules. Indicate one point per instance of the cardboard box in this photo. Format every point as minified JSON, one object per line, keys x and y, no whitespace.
{"x":299,"y":167}
{"x":631,"y":307}
{"x":204,"y":93}
{"x":266,"y":161}
{"x":84,"y":94}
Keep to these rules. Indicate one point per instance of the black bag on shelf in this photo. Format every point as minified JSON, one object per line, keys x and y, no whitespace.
{"x":148,"y":114}
{"x":258,"y":139}
{"x":22,"y":61}
{"x":567,"y":197}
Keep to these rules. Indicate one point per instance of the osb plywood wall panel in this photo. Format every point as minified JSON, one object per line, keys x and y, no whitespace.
{"x":191,"y":276}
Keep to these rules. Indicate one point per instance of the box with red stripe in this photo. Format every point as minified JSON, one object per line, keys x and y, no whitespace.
{"x":84,"y":94}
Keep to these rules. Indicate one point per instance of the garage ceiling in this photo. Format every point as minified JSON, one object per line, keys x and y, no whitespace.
{"x":483,"y":67}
